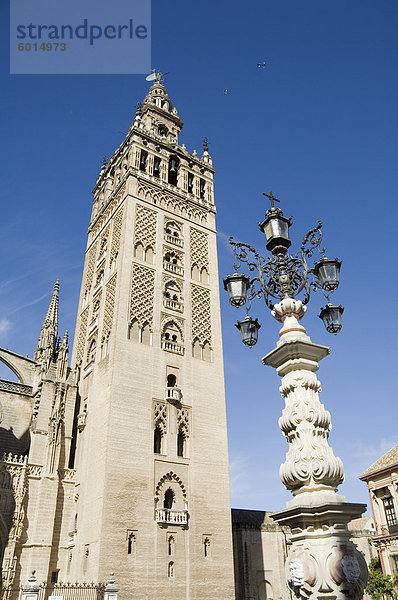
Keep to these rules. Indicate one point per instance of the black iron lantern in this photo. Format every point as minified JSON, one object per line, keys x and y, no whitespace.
{"x":332,"y":317}
{"x":276,"y":231}
{"x":237,"y":285}
{"x":328,"y":271}
{"x":248,"y":330}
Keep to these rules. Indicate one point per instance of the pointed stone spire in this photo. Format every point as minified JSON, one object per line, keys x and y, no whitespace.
{"x":62,"y":357}
{"x":49,"y":331}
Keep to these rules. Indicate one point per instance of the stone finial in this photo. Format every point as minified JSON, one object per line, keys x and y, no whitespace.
{"x":111,"y":590}
{"x":31,"y":588}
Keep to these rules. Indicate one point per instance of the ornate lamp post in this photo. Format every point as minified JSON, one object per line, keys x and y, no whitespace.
{"x":322,"y":562}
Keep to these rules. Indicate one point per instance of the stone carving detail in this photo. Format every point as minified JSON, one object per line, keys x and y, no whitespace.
{"x":172,"y":203}
{"x":160,"y":416}
{"x":82,"y":336}
{"x":301,"y":573}
{"x":170,"y":476}
{"x":142,"y":291}
{"x":16,"y":388}
{"x":348,"y":569}
{"x":201,"y":317}
{"x":199,"y":249}
{"x":13,"y":481}
{"x":306,"y":424}
{"x":184,"y":421}
{"x":91,"y":256}
{"x":116,"y":232}
{"x":109,"y":305}
{"x":145,"y":227}
{"x":111,"y":207}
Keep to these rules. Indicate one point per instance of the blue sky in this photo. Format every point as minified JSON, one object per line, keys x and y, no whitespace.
{"x":318,"y":126}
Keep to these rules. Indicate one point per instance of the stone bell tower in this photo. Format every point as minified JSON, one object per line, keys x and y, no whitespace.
{"x":152,"y":499}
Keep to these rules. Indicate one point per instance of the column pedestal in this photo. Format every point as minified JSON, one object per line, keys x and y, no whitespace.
{"x":322,"y":562}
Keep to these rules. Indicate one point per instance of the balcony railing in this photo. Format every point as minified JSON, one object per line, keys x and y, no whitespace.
{"x":172,"y":239}
{"x":173,"y":347}
{"x":173,"y":393}
{"x":173,"y":268}
{"x":15,"y":388}
{"x":173,"y":304}
{"x":169,"y":515}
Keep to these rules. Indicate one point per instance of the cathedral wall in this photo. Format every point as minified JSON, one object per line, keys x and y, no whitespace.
{"x":15,"y":416}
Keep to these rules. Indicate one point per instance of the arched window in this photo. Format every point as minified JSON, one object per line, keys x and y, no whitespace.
{"x":143,"y":160}
{"x":170,"y":546}
{"x":168,"y":499}
{"x":204,"y":275}
{"x":174,"y":164}
{"x":195,"y":273}
{"x":149,"y":254}
{"x":171,"y":380}
{"x":196,"y":349}
{"x":206,"y":352}
{"x":180,"y":443}
{"x":134,"y":331}
{"x":139,"y":251}
{"x":146,"y":335}
{"x":170,"y":570}
{"x":157,"y":440}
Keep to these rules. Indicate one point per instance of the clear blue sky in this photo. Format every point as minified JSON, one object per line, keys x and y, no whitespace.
{"x":318,"y":126}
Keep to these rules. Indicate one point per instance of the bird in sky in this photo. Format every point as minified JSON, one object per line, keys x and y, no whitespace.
{"x":225,"y":91}
{"x":261,"y":65}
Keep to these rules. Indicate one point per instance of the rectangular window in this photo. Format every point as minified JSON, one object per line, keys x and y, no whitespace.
{"x":390,"y":511}
{"x":54,"y":577}
{"x":190,"y":183}
{"x":202,"y":188}
{"x":156,"y":166}
{"x":394,"y":563}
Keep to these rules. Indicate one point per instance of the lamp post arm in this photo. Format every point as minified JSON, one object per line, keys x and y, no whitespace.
{"x":245,"y":253}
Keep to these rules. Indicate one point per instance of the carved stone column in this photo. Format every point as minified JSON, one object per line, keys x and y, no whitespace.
{"x":322,"y":562}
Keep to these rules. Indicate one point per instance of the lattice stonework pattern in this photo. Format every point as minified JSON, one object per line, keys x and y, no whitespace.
{"x":142,"y":291}
{"x":91,"y":256}
{"x":116,"y":232}
{"x":184,"y":420}
{"x":160,"y":416}
{"x":82,"y":335}
{"x":199,"y":249}
{"x":109,"y":304}
{"x":145,"y":227}
{"x":201,"y":317}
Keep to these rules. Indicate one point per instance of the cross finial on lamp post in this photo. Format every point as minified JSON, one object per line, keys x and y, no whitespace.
{"x":272,"y":198}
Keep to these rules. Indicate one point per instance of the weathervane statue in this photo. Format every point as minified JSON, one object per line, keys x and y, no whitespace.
{"x":322,"y":562}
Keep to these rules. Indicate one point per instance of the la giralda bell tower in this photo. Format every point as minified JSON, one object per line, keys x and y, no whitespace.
{"x":152,"y":498}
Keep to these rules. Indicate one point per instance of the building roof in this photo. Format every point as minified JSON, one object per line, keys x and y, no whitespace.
{"x":253,"y":519}
{"x":361,"y":524}
{"x":389,"y":459}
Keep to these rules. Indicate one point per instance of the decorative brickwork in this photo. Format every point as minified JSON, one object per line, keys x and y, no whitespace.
{"x":109,"y":305}
{"x":201,"y":320}
{"x":199,"y":249}
{"x":145,"y":227}
{"x":116,"y":232}
{"x":160,"y":417}
{"x":142,"y":291}
{"x":82,"y":336}
{"x":91,"y":256}
{"x":184,"y":421}
{"x":172,"y":203}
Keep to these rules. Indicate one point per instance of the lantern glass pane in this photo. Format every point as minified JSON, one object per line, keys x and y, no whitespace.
{"x":328,"y":274}
{"x":237,"y":290}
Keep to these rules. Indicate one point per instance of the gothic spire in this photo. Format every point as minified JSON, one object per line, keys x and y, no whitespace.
{"x":49,"y":330}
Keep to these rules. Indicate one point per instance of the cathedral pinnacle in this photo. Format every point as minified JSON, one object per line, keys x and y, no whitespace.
{"x":49,"y":330}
